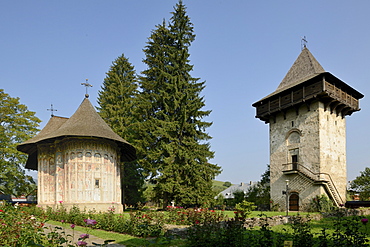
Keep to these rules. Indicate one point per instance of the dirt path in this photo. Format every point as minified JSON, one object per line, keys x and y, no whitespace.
{"x":76,"y":234}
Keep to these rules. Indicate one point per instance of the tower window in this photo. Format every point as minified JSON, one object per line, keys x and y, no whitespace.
{"x":295,"y":162}
{"x":292,"y":123}
{"x":97,"y":183}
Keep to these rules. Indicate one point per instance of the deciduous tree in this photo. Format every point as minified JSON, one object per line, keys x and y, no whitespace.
{"x":361,"y":184}
{"x":17,"y":124}
{"x":260,"y":193}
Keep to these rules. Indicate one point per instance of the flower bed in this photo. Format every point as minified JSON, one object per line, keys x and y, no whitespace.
{"x":18,"y":227}
{"x":24,"y":227}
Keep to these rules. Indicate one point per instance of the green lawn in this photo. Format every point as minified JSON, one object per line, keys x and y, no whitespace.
{"x":128,"y":240}
{"x":255,"y":214}
{"x":123,"y":239}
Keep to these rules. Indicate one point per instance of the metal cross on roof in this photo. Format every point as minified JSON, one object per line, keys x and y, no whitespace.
{"x":86,"y":84}
{"x":52,"y":110}
{"x":304,"y":42}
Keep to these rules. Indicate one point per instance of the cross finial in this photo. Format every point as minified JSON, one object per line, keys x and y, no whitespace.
{"x":304,"y":42}
{"x":52,"y":110}
{"x":86,"y":84}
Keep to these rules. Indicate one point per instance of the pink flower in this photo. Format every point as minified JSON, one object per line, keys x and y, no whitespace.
{"x":73,"y":226}
{"x":60,"y":201}
{"x":84,"y":236}
{"x":62,"y":221}
{"x":81,"y":243}
{"x":364,"y":221}
{"x":90,"y":222}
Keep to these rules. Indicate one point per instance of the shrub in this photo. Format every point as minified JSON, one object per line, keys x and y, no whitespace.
{"x":302,"y":235}
{"x":190,"y":216}
{"x":18,"y":227}
{"x":321,"y":203}
{"x":244,"y":209}
{"x":145,"y":224}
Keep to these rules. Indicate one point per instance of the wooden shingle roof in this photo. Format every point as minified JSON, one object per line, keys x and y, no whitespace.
{"x":305,"y":82}
{"x":85,"y":122}
{"x":304,"y":68}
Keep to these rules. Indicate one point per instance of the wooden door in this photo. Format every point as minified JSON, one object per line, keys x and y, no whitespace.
{"x":294,"y":202}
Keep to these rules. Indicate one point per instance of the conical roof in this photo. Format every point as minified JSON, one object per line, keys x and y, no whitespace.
{"x":305,"y":66}
{"x":84,"y":122}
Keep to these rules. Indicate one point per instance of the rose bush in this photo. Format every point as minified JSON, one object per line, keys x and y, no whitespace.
{"x":18,"y":227}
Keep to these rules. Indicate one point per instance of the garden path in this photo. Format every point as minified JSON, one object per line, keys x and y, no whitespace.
{"x":76,"y":234}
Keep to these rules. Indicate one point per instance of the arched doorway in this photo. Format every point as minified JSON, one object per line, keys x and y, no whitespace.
{"x":294,"y":202}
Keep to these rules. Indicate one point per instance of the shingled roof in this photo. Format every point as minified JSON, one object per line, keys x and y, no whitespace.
{"x":304,"y":68}
{"x":85,"y":122}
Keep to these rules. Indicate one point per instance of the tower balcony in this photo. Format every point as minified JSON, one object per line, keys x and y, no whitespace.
{"x":291,"y":168}
{"x":297,"y":168}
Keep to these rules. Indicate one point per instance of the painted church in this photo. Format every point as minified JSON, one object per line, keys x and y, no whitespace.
{"x":78,"y":161}
{"x":307,"y":125}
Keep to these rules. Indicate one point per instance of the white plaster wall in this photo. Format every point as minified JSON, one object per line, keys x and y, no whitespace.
{"x":80,"y":171}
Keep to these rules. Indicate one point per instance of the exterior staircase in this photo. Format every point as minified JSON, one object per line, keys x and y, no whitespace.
{"x":322,"y":179}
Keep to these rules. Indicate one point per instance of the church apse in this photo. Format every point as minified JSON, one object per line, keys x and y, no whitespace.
{"x":78,"y":161}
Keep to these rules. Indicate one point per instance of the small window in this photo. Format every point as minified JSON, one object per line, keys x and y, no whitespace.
{"x":292,"y":123}
{"x":295,"y":162}
{"x":97,"y":183}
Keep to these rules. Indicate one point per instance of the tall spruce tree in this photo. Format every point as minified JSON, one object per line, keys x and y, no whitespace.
{"x":117,"y":107}
{"x":174,"y":142}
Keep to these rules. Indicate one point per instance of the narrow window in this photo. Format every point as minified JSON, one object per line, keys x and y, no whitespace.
{"x":292,"y":123}
{"x":97,"y":183}
{"x":295,"y":162}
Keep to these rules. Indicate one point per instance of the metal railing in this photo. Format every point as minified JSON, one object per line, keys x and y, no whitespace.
{"x":315,"y":176}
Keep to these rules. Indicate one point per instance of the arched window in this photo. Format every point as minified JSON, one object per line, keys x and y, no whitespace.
{"x":294,"y":137}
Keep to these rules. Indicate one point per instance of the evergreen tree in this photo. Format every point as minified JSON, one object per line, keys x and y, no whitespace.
{"x":174,"y":142}
{"x":17,"y":124}
{"x":117,"y":107}
{"x":259,"y":193}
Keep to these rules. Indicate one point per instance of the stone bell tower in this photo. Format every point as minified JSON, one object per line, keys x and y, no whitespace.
{"x":306,"y":115}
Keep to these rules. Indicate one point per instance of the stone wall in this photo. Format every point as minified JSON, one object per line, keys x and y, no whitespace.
{"x":316,"y":136}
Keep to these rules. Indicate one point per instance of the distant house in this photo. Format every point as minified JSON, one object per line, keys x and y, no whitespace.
{"x":229,"y":192}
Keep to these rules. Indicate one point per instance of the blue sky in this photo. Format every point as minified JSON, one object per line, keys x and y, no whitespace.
{"x":243,"y":49}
